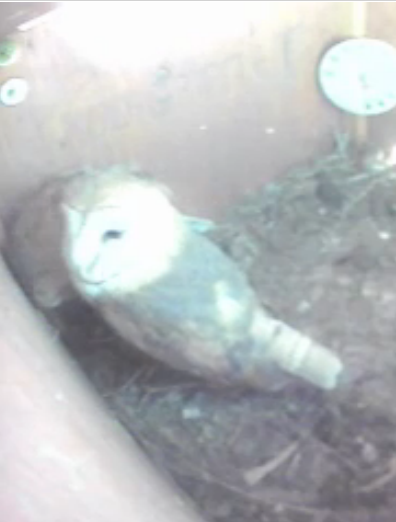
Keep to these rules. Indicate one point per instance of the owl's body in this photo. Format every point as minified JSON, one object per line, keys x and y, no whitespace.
{"x":172,"y":292}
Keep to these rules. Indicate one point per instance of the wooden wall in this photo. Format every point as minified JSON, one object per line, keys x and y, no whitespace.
{"x":14,"y":14}
{"x":381,"y":23}
{"x":213,"y":126}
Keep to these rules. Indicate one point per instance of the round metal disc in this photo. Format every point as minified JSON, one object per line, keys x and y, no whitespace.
{"x":359,"y":76}
{"x":13,"y":91}
{"x":9,"y":53}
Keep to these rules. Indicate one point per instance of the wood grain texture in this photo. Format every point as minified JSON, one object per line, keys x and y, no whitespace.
{"x":62,"y":456}
{"x":213,"y":126}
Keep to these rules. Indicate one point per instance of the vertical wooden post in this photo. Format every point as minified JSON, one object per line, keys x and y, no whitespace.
{"x":359,"y":28}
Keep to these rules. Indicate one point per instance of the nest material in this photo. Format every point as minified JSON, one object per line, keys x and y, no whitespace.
{"x":319,"y":247}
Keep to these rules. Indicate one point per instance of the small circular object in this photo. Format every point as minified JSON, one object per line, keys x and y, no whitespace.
{"x":13,"y":91}
{"x":9,"y":53}
{"x":359,"y":76}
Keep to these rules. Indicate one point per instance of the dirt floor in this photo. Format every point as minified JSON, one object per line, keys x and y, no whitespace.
{"x":319,"y":246}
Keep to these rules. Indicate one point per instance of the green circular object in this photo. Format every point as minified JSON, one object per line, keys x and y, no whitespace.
{"x":13,"y":91}
{"x":9,"y":53}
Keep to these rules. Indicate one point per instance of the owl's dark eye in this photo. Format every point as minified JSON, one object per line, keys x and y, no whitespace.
{"x":111,"y":235}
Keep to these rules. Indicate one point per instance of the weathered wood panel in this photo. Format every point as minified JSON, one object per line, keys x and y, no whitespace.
{"x":213,"y":125}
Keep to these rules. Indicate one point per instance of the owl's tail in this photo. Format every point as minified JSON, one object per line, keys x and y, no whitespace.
{"x":296,"y":353}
